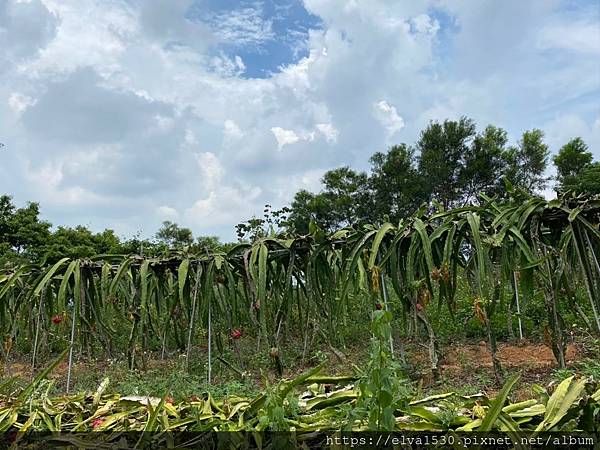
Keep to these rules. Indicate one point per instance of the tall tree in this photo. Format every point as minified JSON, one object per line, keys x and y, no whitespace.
{"x":588,"y":180}
{"x":443,"y":148}
{"x":343,"y":201}
{"x":22,"y":232}
{"x":80,"y":242}
{"x":75,"y":242}
{"x":174,"y":236}
{"x":346,"y":193}
{"x":395,"y":184}
{"x":484,"y":164}
{"x":7,"y":210}
{"x":527,"y":162}
{"x":307,"y":207}
{"x":570,"y":161}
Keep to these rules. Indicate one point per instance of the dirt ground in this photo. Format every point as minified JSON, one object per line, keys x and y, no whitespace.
{"x":462,"y":365}
{"x":524,"y":355}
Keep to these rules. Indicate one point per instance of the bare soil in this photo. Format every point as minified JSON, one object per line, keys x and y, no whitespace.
{"x":523,"y":355}
{"x":462,"y":365}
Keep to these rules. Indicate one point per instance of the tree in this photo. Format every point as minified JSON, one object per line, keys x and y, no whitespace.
{"x":22,"y":233}
{"x":208,"y":244}
{"x":571,"y":160}
{"x":527,"y":162}
{"x":7,"y":210}
{"x":483,"y":165}
{"x":395,"y":184}
{"x":68,"y":242}
{"x":455,"y":164}
{"x":346,"y":194}
{"x":588,"y":180}
{"x":80,"y":242}
{"x":307,"y":207}
{"x":174,"y":236}
{"x":443,"y":149}
{"x":107,"y":242}
{"x":272,"y":224}
{"x":344,"y":201}
{"x":139,"y":246}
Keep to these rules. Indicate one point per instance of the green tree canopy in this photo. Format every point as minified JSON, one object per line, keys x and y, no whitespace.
{"x":573,"y":163}
{"x":174,"y":236}
{"x":527,"y":162}
{"x":395,"y":183}
{"x":484,"y":164}
{"x":346,"y":194}
{"x":588,"y":180}
{"x":344,"y":200}
{"x":450,"y":165}
{"x":444,"y":148}
{"x":22,"y":232}
{"x":307,"y":207}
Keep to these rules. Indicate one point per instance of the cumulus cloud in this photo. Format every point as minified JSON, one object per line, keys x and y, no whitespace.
{"x":232,"y":129}
{"x":79,"y":108}
{"x":25,"y":28}
{"x":329,"y":131}
{"x":20,"y":102}
{"x":211,"y":169}
{"x":223,"y":207}
{"x":288,"y":137}
{"x":124,"y":114}
{"x":423,"y":23}
{"x":284,"y":137}
{"x":388,"y":116}
{"x":227,"y":67}
{"x":167,"y":213}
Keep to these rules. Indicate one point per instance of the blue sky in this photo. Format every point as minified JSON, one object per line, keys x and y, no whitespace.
{"x":288,"y":23}
{"x":125,"y":113}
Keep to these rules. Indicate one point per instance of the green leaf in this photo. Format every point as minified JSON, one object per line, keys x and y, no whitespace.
{"x":64,"y":284}
{"x":49,"y":273}
{"x":182,"y":274}
{"x":123,"y":268}
{"x":497,"y":404}
{"x":563,"y":398}
{"x":385,"y":228}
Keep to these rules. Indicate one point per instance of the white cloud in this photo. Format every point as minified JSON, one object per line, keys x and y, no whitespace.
{"x":48,"y":180}
{"x":232,"y":130}
{"x":225,"y":207}
{"x":284,"y":137}
{"x":243,"y":26}
{"x":425,"y":24}
{"x":227,"y":67}
{"x":211,"y":169}
{"x":123,"y":113}
{"x":19,"y":102}
{"x":167,"y":213}
{"x":288,"y":137}
{"x":90,"y":34}
{"x":25,"y":28}
{"x":582,"y":37}
{"x":329,"y":131}
{"x":388,"y":116}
